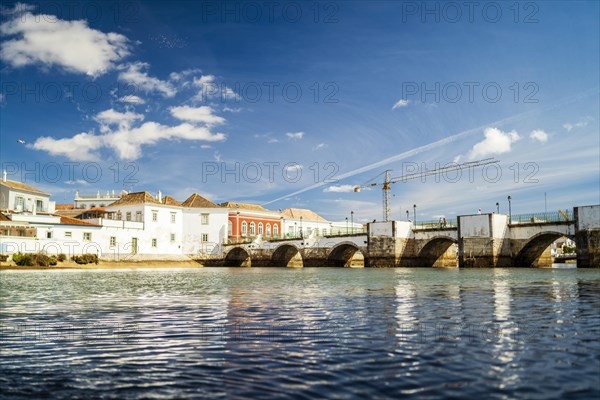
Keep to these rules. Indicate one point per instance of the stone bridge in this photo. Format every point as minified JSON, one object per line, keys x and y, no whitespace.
{"x":486,"y":240}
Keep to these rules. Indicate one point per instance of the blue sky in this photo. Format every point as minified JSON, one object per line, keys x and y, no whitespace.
{"x":173,"y":94}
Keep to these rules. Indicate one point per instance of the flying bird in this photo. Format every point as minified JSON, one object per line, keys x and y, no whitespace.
{"x":20,"y":141}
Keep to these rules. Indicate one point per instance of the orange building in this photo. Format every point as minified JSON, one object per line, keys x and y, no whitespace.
{"x":247,"y":221}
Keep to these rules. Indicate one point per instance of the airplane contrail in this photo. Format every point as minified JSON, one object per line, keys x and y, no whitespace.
{"x":434,"y":145}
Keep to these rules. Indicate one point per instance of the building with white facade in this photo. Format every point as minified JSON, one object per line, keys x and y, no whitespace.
{"x":19,"y":197}
{"x":300,"y":222}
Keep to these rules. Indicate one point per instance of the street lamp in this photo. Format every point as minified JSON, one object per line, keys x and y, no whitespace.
{"x":352,"y":220}
{"x":497,"y":208}
{"x":407,"y":215}
{"x":415,"y":214}
{"x":295,"y":228}
{"x":301,"y":231}
{"x":509,"y":210}
{"x":346,"y":225}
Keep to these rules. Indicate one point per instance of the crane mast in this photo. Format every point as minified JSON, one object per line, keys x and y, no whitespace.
{"x":387,"y":181}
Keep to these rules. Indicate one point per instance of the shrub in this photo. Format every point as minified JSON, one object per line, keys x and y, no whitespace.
{"x":61,"y":257}
{"x":41,"y":260}
{"x":21,"y":259}
{"x":86,"y":259}
{"x":53,"y":260}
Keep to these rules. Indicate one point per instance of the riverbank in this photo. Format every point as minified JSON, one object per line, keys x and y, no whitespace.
{"x":106,"y":265}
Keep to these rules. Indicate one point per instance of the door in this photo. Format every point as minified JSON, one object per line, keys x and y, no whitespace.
{"x":134,"y":245}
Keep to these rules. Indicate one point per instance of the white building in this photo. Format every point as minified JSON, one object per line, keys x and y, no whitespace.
{"x":204,"y":226}
{"x":87,"y":201}
{"x":306,"y":223}
{"x":19,"y":197}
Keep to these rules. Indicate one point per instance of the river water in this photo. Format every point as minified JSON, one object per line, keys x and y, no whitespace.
{"x":300,"y":333}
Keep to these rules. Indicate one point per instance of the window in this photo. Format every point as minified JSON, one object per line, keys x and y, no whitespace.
{"x":48,"y":234}
{"x":93,"y":206}
{"x":113,"y":241}
{"x":154,"y":215}
{"x":128,"y":216}
{"x":275,"y":229}
{"x":173,"y":217}
{"x":87,"y":236}
{"x":268,"y":229}
{"x":154,"y":243}
{"x":205,"y":237}
{"x":229,"y":228}
{"x":252,"y":229}
{"x":119,"y":215}
{"x":244,"y":228}
{"x":138,"y":216}
{"x":172,"y":237}
{"x":68,"y":234}
{"x":39,"y":205}
{"x":260,"y":228}
{"x":204,"y":219}
{"x":19,"y":203}
{"x":324,"y":232}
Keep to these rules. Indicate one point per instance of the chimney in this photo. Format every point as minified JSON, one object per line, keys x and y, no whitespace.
{"x":159,"y":196}
{"x":4,"y":176}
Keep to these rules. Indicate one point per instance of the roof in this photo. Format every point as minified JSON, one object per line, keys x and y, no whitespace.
{"x":135,"y":198}
{"x":74,"y":221}
{"x":169,"y":201}
{"x":297,"y":213}
{"x":4,"y":217}
{"x":197,"y":201}
{"x":21,"y":186}
{"x":245,"y":206}
{"x":64,"y":207}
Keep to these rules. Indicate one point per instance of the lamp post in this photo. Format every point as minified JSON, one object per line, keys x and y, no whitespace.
{"x":497,"y":208}
{"x":352,"y":220}
{"x":407,"y":215}
{"x":301,"y":230}
{"x":415,"y":214}
{"x":237,"y":226}
{"x":509,"y":210}
{"x":295,"y":228}
{"x":346,"y":225}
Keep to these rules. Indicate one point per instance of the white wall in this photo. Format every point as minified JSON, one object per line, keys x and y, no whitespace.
{"x":8,"y":200}
{"x":193,"y":229}
{"x":588,"y":217}
{"x":474,"y":226}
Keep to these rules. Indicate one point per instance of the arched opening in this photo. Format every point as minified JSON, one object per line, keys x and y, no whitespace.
{"x":346,"y":256}
{"x":537,"y":251}
{"x":237,"y":257}
{"x":439,"y":252}
{"x":287,"y":256}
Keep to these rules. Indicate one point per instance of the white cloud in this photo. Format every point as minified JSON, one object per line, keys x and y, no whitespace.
{"x":112,"y":117}
{"x":495,"y":142}
{"x":457,"y":158}
{"x":77,"y":182}
{"x":295,"y":135}
{"x":294,"y":167}
{"x":136,"y":74}
{"x":80,"y":147}
{"x":209,"y":88}
{"x":18,"y":9}
{"x":320,"y":146}
{"x":119,"y":135}
{"x":583,"y":123}
{"x":132,"y":99}
{"x":233,"y":110}
{"x":206,"y":146}
{"x":272,"y":140}
{"x":339,"y":189}
{"x":204,"y":114}
{"x":400,"y":103}
{"x":539,"y":135}
{"x":49,"y":41}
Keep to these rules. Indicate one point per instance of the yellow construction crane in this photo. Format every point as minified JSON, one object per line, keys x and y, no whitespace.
{"x":387,"y":181}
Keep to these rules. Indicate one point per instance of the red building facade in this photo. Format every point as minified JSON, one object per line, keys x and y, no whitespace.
{"x":247,"y":221}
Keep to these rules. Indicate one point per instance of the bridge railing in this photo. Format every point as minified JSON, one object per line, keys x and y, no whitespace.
{"x":541,"y":217}
{"x":435,"y":224}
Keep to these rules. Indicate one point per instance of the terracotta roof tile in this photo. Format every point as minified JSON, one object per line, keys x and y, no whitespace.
{"x":307,"y":215}
{"x":197,"y":201}
{"x":4,"y":217}
{"x":244,"y":206}
{"x":64,"y":207}
{"x":21,"y":186}
{"x":169,"y":201}
{"x":135,"y":198}
{"x":74,"y":221}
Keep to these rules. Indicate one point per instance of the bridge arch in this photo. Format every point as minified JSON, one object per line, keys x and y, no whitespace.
{"x":346,"y":254}
{"x":536,"y":250}
{"x":238,"y":257}
{"x":439,"y":251}
{"x":287,"y":255}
